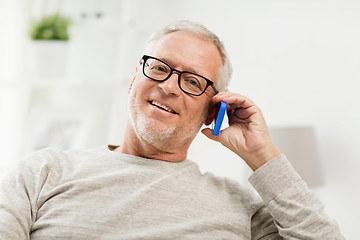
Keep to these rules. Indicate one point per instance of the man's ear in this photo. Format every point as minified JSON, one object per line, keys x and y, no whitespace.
{"x":132,"y":81}
{"x":212,"y":114}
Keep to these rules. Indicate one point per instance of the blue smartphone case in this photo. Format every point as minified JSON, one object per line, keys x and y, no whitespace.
{"x":219,"y":119}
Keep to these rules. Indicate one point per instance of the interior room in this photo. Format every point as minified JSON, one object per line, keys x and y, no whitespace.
{"x":299,"y":61}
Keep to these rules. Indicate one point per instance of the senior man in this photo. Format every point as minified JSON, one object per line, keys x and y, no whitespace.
{"x":146,"y":188}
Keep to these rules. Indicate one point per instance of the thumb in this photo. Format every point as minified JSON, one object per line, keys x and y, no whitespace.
{"x":208,"y":133}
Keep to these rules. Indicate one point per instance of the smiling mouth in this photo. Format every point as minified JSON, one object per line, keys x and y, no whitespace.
{"x":162,"y":106}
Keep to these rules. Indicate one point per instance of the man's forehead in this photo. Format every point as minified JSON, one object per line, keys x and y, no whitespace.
{"x":188,"y":50}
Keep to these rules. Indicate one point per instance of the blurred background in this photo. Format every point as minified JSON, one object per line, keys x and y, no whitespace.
{"x":299,"y":61}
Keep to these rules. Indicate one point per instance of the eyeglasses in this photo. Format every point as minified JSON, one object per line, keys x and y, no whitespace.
{"x":191,"y":83}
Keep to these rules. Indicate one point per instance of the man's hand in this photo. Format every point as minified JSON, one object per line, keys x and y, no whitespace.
{"x":247,"y":134}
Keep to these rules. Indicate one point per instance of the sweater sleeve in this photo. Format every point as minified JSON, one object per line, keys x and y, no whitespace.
{"x":296,"y":211}
{"x":19,"y":192}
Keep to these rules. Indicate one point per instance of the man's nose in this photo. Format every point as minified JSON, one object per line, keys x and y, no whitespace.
{"x":171,"y":86}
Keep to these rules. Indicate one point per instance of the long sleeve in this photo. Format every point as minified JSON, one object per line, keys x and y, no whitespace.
{"x":19,"y":191}
{"x":296,"y":211}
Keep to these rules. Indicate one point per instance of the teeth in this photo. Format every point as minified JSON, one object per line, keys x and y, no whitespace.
{"x":162,"y":106}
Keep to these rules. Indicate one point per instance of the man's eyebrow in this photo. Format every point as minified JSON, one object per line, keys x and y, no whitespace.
{"x":187,"y":69}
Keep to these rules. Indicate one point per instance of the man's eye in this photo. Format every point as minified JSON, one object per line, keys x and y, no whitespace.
{"x":159,"y":68}
{"x":193,"y":83}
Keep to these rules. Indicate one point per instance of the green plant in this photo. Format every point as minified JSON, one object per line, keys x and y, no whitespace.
{"x":51,"y":27}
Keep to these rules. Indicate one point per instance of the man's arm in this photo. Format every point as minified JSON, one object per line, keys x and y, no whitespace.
{"x":296,"y":212}
{"x":18,"y":194}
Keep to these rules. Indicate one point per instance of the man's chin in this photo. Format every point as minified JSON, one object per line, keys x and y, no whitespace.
{"x":155,"y":132}
{"x":163,"y":135}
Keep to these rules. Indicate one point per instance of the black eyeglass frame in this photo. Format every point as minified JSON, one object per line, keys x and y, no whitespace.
{"x":172,"y":70}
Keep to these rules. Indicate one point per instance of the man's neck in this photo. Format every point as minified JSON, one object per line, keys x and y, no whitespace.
{"x":137,"y":146}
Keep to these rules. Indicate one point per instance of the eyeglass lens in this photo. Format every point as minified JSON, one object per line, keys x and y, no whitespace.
{"x":189,"y":82}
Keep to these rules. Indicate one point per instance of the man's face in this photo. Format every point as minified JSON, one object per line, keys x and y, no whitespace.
{"x":160,"y":112}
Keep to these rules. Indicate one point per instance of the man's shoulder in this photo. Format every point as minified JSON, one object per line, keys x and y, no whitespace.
{"x":56,"y":153}
{"x":53,"y":157}
{"x":42,"y":156}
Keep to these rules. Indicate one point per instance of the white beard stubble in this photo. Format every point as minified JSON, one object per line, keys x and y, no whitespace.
{"x":162,"y":138}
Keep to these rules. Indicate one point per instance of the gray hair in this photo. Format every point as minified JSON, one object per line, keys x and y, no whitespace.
{"x":225,"y":71}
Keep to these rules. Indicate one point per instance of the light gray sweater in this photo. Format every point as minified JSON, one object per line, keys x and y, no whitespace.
{"x":101,"y":194}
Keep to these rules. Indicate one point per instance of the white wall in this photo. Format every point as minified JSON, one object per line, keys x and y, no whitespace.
{"x":12,"y":28}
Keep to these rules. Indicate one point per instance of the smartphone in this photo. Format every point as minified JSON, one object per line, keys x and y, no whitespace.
{"x":219,"y":118}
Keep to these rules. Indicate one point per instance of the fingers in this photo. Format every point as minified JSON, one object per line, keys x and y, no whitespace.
{"x":234,"y":100}
{"x":208,"y":133}
{"x":240,"y":107}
